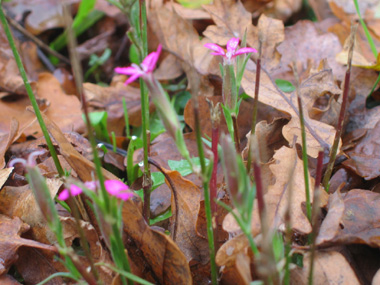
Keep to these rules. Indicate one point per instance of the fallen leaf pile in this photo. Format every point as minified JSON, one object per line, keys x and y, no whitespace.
{"x":350,"y":210}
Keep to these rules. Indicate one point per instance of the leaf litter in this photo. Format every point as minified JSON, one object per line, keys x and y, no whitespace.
{"x":316,"y":48}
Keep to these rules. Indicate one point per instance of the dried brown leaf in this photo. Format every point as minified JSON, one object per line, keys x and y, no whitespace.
{"x":357,"y":221}
{"x":329,"y":268}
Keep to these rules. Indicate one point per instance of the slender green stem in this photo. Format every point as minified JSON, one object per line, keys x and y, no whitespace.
{"x":315,"y":213}
{"x":304,"y":158}
{"x":304,"y":147}
{"x":30,"y":91}
{"x":147,"y":184}
{"x":126,"y":118}
{"x":366,"y":31}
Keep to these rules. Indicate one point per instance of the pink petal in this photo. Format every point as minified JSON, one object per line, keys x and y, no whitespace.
{"x":214,"y":47}
{"x":124,"y":195}
{"x":115,"y":186}
{"x":75,"y":190}
{"x":244,"y":50}
{"x":118,"y":189}
{"x":218,"y":53}
{"x":232,"y":44}
{"x":64,"y":195}
{"x":127,"y":70}
{"x":91,"y":185}
{"x":132,"y":78}
{"x":150,"y":61}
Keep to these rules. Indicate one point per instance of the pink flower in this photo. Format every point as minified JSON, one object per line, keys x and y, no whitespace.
{"x":114,"y":187}
{"x":146,"y":67}
{"x":232,"y":45}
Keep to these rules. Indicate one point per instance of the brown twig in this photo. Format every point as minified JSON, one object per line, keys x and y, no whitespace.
{"x":342,"y":114}
{"x":175,"y":196}
{"x":36,"y":40}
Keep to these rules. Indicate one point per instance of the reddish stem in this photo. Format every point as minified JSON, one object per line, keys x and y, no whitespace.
{"x":259,"y":188}
{"x":214,"y":149}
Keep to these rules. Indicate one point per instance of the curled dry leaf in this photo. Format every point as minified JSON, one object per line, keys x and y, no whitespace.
{"x":363,"y":159}
{"x":10,"y":241}
{"x":20,"y":202}
{"x":193,"y":246}
{"x":166,"y":263}
{"x":329,"y":268}
{"x":232,"y":257}
{"x":353,"y":219}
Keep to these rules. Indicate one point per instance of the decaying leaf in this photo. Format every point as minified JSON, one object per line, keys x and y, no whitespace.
{"x":364,"y":158}
{"x":329,"y":268}
{"x":194,"y":247}
{"x":353,"y":219}
{"x":10,"y":241}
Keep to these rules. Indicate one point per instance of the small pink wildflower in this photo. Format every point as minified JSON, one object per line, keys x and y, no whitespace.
{"x":114,"y":187}
{"x":146,"y":67}
{"x":231,"y":53}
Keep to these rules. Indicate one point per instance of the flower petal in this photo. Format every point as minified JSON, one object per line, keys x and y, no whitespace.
{"x":218,"y":53}
{"x":132,"y":78}
{"x":91,"y":185}
{"x":124,"y":195}
{"x":150,"y":61}
{"x":244,"y":50}
{"x":64,"y":195}
{"x":113,"y":187}
{"x":127,"y":70}
{"x":214,"y":47}
{"x":232,"y":44}
{"x":75,"y":190}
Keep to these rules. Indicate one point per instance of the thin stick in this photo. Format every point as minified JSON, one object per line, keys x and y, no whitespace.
{"x":342,"y":114}
{"x":36,"y":40}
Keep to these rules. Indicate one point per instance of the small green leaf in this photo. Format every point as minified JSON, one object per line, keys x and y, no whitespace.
{"x":285,"y":85}
{"x":99,"y":122}
{"x":193,"y":4}
{"x":134,"y":54}
{"x":166,"y":215}
{"x":183,"y":166}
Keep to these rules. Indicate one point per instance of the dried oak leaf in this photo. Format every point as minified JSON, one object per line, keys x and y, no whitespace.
{"x":57,"y":105}
{"x":10,"y":79}
{"x":234,"y":260}
{"x":20,"y":202}
{"x":329,"y":268}
{"x":231,"y":20}
{"x":180,"y":38}
{"x":37,"y":22}
{"x":364,"y":158}
{"x":188,"y":197}
{"x":10,"y":241}
{"x":318,"y":134}
{"x":277,"y":197}
{"x":352,"y":218}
